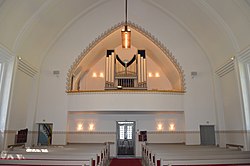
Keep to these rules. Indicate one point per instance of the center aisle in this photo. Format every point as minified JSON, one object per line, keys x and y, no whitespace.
{"x":125,"y":162}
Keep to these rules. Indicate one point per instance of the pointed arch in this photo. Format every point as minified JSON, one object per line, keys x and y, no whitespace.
{"x":109,"y":39}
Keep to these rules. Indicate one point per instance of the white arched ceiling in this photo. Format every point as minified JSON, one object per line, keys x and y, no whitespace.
{"x":30,"y":28}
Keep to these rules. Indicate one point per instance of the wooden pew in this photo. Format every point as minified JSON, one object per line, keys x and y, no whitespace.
{"x":57,"y":156}
{"x":205,"y":162}
{"x":71,"y":162}
{"x":11,"y":147}
{"x":239,"y":147}
{"x":179,"y":156}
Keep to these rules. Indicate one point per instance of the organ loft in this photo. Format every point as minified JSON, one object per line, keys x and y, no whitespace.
{"x":126,"y":73}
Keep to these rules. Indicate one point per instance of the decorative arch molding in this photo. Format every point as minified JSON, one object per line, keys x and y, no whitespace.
{"x":114,"y":28}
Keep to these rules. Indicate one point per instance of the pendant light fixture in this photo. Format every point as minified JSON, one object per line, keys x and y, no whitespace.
{"x":126,"y":33}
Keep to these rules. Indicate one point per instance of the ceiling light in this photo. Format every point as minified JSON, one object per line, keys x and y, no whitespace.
{"x":126,"y":33}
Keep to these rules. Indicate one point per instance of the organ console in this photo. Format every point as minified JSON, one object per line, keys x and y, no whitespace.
{"x":125,"y":74}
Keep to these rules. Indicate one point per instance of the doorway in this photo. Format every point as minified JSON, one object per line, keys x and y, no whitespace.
{"x":207,"y":134}
{"x":44,"y":134}
{"x":125,"y":138}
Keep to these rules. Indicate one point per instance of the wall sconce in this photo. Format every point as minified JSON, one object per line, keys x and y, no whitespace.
{"x":79,"y":127}
{"x":159,"y":127}
{"x":91,"y":127}
{"x":95,"y":75}
{"x":157,"y":74}
{"x":171,"y":127}
{"x":101,"y":75}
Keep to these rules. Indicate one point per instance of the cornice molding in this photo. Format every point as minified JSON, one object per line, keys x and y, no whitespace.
{"x":164,"y":92}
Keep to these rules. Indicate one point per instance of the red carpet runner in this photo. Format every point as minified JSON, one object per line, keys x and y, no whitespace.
{"x":125,"y":162}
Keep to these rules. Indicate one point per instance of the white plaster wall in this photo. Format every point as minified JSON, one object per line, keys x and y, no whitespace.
{"x":20,"y":101}
{"x":106,"y":122}
{"x":53,"y":102}
{"x":7,"y":63}
{"x":105,"y":127}
{"x":232,"y":109}
{"x":88,"y":82}
{"x":122,"y":101}
{"x":21,"y":112}
{"x":243,"y":64}
{"x":220,"y":118}
{"x":232,"y":105}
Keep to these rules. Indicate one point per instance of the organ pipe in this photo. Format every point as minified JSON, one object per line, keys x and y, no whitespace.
{"x":142,"y":70}
{"x":109,"y":80}
{"x":107,"y":69}
{"x":139,"y":68}
{"x":125,"y":74}
{"x":145,"y":70}
{"x":112,"y":67}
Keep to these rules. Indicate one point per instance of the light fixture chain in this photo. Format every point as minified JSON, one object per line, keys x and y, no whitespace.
{"x":126,"y":11}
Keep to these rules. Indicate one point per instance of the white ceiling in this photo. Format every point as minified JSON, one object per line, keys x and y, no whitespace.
{"x":30,"y":28}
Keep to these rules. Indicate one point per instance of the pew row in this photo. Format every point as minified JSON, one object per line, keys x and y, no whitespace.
{"x":56,"y":156}
{"x":156,"y":156}
{"x":46,"y":162}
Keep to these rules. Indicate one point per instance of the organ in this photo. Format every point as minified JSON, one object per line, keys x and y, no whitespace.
{"x":125,"y":74}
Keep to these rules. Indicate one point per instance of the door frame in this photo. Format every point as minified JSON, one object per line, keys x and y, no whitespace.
{"x":38,"y":139}
{"x":133,"y":135}
{"x":214,"y":136}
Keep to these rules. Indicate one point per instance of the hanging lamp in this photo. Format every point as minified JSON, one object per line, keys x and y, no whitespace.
{"x":126,"y":33}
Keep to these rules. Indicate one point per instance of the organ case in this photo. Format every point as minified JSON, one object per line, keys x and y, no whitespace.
{"x":126,"y":74}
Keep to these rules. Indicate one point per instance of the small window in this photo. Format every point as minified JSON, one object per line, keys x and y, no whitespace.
{"x":122,"y":132}
{"x":129,"y":132}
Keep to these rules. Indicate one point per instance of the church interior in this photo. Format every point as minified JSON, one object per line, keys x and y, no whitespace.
{"x":95,"y":82}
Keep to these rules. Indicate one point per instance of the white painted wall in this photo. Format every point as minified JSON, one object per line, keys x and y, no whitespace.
{"x":106,"y":122}
{"x":88,"y":82}
{"x":6,"y":72}
{"x":53,"y":103}
{"x":122,"y":101}
{"x":105,"y":127}
{"x":243,"y":60}
{"x":231,"y":100}
{"x":204,"y":99}
{"x":232,"y":109}
{"x":23,"y":102}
